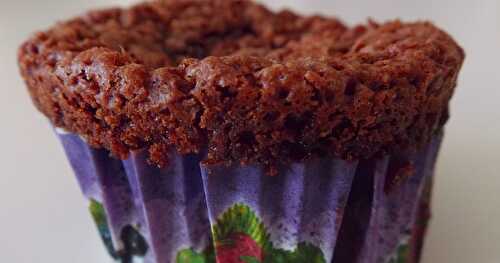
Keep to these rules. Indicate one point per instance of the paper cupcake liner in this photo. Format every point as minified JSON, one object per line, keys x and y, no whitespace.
{"x":142,"y":211}
{"x":323,"y":210}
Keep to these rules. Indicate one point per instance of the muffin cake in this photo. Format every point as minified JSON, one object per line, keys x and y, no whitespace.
{"x":220,"y":131}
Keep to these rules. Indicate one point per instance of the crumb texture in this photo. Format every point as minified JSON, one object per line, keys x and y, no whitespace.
{"x":247,"y":84}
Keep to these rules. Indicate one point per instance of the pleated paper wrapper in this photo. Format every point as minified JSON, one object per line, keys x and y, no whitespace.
{"x":321,"y":210}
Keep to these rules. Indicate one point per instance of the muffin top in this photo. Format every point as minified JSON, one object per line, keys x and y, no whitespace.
{"x":241,"y":82}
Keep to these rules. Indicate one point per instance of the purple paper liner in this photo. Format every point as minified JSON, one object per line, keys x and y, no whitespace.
{"x":165,"y":206}
{"x":322,"y":210}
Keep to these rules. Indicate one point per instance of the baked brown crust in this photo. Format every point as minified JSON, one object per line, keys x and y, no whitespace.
{"x":243,"y":82}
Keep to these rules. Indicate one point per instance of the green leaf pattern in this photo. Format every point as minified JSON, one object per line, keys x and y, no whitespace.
{"x":238,"y":219}
{"x":241,"y":219}
{"x":402,"y":254}
{"x":99,"y":216}
{"x":134,"y":243}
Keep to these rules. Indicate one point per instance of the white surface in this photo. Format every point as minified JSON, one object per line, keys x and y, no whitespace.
{"x":43,"y":217}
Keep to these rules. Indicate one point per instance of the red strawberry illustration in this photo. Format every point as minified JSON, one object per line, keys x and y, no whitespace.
{"x":241,"y":237}
{"x":239,"y":248}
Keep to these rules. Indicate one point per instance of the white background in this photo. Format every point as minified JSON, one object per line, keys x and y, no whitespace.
{"x":43,"y":218}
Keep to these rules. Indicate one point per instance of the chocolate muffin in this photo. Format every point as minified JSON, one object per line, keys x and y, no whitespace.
{"x":220,"y":131}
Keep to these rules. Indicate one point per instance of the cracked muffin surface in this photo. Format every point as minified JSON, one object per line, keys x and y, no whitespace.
{"x":244,"y":83}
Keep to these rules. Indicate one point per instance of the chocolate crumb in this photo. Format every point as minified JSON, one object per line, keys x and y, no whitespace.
{"x":245,"y":83}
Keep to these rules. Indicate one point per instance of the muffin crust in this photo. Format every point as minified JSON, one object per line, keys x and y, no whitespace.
{"x":243,"y":83}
